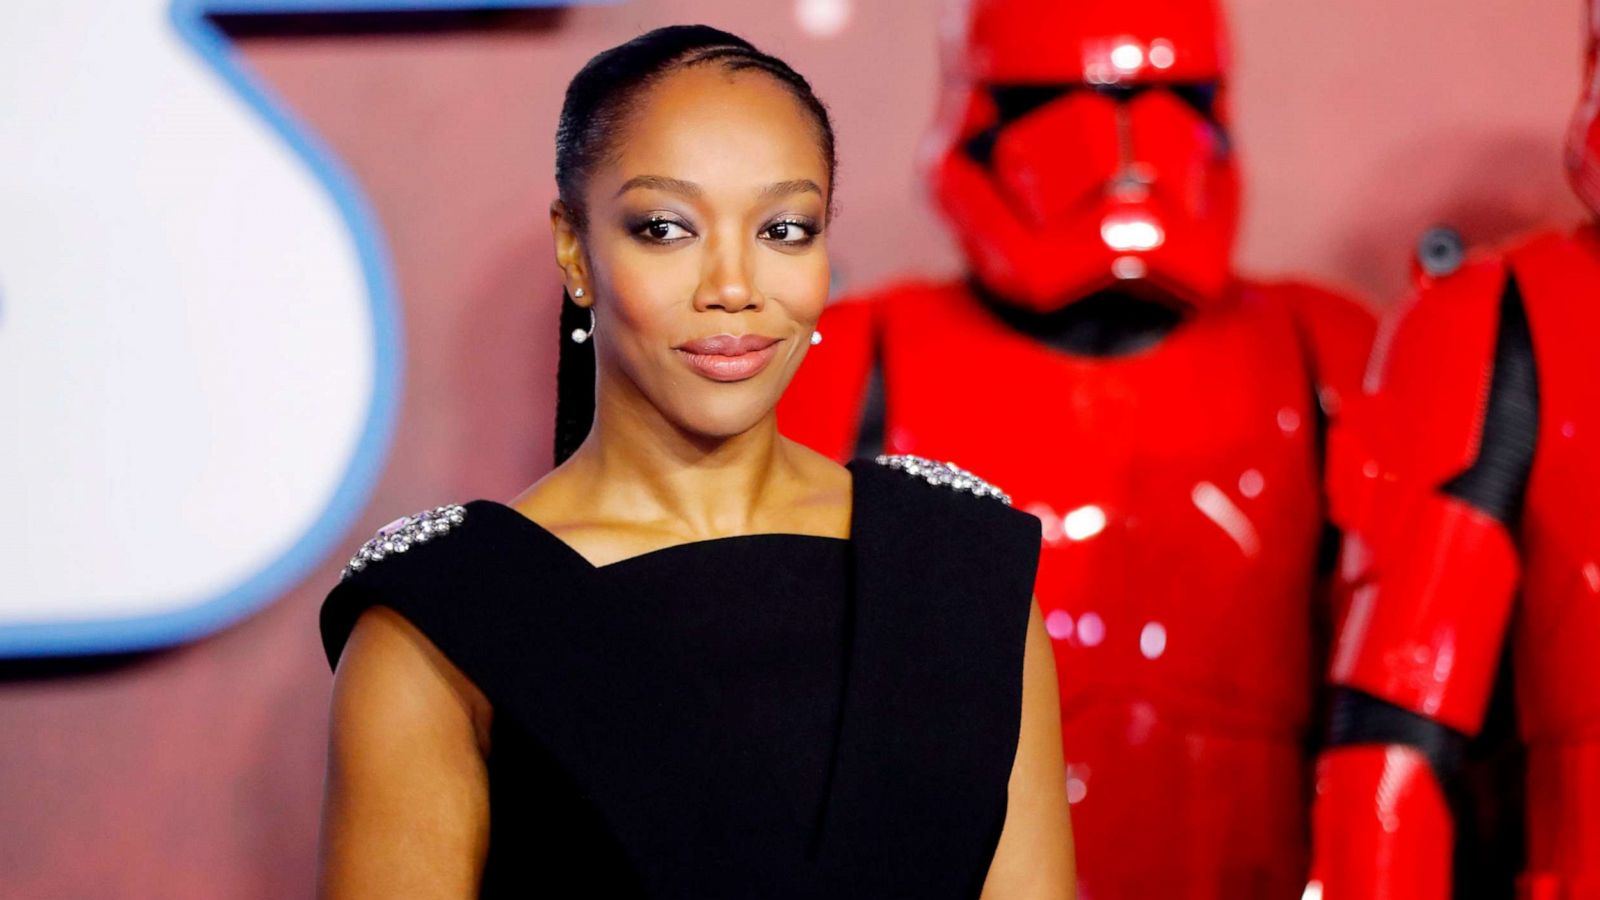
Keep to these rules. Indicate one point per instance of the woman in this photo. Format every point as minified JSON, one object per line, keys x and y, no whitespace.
{"x":696,"y":659}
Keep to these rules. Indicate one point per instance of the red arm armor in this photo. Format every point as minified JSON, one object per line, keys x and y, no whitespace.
{"x":1432,"y":580}
{"x":1382,"y":827}
{"x":1433,"y":574}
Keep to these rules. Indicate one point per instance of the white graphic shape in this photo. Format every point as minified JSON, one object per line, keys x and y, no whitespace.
{"x":192,"y":360}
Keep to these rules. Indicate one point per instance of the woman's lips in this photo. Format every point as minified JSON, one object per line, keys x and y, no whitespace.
{"x":727,"y":357}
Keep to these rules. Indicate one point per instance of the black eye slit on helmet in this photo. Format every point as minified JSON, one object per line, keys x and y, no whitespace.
{"x":1016,"y":101}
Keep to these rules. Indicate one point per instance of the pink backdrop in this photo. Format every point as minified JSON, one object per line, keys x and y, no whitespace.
{"x":197,"y":772}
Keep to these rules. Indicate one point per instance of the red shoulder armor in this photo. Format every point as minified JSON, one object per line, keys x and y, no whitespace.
{"x":1337,"y":331}
{"x":1432,"y":358}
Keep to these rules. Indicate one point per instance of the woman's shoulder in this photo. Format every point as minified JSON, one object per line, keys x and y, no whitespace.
{"x":397,"y":538}
{"x":942,"y":475}
{"x":946,"y":492}
{"x":447,"y":569}
{"x":455,"y":545}
{"x":935,"y":509}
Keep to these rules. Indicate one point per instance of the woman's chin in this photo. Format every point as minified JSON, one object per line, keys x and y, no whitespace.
{"x":721,"y":421}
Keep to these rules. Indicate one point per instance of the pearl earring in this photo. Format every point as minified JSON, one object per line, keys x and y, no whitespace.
{"x":578,"y":334}
{"x":816,"y":338}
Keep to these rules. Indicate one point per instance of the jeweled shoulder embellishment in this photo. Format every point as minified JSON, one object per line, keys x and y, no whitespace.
{"x":944,"y":474}
{"x":398,"y":536}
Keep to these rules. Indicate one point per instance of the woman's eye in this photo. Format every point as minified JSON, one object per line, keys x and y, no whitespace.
{"x":788,"y":232}
{"x":664,"y":230}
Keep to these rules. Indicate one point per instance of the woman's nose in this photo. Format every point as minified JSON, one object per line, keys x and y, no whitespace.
{"x":727,"y":283}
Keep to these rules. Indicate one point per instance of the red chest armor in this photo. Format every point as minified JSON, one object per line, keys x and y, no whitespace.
{"x":1179,"y":490}
{"x":1557,"y":625}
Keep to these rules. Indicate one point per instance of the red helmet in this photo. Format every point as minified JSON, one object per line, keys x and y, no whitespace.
{"x":1083,"y":143}
{"x":1583,"y":138}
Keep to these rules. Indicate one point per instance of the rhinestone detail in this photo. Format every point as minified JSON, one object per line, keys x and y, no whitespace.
{"x":404,"y":533}
{"x":944,"y":474}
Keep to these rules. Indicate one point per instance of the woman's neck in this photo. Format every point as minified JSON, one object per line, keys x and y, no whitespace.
{"x":638,"y":466}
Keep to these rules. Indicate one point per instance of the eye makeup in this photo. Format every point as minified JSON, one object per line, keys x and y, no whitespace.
{"x":791,"y":231}
{"x":660,"y":228}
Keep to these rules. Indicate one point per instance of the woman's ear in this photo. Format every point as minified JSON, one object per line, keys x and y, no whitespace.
{"x":569,"y":253}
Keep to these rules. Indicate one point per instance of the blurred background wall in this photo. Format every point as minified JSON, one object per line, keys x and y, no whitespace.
{"x":196,"y":772}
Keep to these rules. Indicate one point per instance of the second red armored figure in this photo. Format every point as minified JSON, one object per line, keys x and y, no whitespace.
{"x":1470,"y":491}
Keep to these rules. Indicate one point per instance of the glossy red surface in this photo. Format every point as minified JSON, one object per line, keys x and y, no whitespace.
{"x":1557,"y":668}
{"x":1426,"y":420}
{"x":1180,"y":494}
{"x":1563,"y":831}
{"x":1095,"y":186}
{"x":1389,"y":845}
{"x":1005,"y":40}
{"x":1404,"y":638}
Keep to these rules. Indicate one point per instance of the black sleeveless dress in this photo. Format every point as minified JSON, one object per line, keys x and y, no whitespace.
{"x":756,"y":716}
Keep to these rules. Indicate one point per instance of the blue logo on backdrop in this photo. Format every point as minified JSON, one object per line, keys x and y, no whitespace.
{"x":43,"y":624}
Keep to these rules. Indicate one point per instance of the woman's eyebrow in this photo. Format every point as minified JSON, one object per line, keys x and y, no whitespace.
{"x":661,"y":183}
{"x":785,"y":188}
{"x":690,"y":189}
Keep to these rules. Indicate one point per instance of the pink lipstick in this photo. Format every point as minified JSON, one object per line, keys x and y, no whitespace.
{"x":728,"y":357}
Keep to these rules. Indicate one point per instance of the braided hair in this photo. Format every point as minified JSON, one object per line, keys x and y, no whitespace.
{"x":598,"y":102}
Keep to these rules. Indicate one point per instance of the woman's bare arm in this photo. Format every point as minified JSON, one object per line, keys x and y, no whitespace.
{"x":1034,"y":859}
{"x":406,"y":812}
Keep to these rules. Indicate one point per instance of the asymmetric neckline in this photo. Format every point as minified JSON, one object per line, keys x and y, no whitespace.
{"x":758,"y":536}
{"x":824,"y":717}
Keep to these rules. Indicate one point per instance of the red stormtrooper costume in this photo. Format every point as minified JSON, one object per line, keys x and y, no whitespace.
{"x":1470,"y":491}
{"x":1105,"y":366}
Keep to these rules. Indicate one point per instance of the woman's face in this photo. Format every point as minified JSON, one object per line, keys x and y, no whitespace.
{"x":703,"y":254}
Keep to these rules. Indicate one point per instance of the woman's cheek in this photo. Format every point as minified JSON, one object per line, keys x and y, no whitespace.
{"x":649,"y":295}
{"x":802,"y":284}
